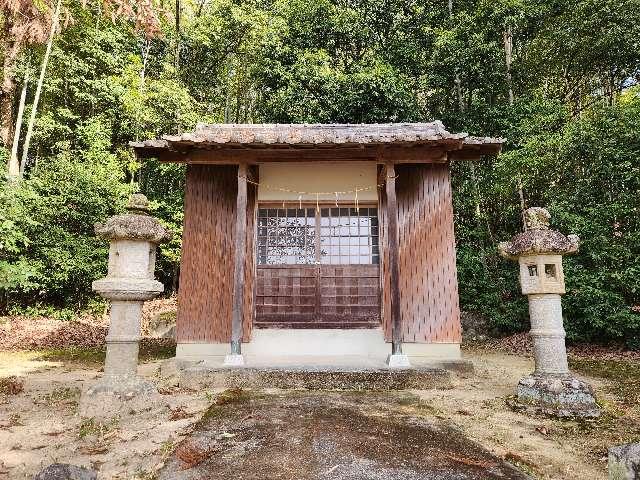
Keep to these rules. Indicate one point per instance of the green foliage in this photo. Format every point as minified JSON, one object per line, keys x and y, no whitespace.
{"x":585,"y":170}
{"x":573,"y":131}
{"x":52,"y":254}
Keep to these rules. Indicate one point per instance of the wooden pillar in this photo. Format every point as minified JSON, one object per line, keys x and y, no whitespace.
{"x":392,"y":244}
{"x":239,"y":257}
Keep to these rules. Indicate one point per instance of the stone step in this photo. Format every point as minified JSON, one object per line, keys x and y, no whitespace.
{"x":328,"y":377}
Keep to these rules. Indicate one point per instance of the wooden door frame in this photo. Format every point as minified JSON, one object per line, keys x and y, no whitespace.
{"x":292,"y":204}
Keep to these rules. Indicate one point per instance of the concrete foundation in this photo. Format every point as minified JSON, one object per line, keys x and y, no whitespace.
{"x":314,"y":378}
{"x":366,"y":347}
{"x":398,"y":360}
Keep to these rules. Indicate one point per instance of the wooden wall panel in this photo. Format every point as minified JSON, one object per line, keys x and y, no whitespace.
{"x":317,"y":296}
{"x":206,"y":266}
{"x":286,"y":296}
{"x":428,"y":281}
{"x":349,"y":296}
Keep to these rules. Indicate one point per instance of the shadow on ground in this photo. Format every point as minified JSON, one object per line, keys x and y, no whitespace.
{"x":329,"y":436}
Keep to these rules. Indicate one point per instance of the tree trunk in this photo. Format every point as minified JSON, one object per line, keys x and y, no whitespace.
{"x":8,"y":89}
{"x":523,"y":205}
{"x":177,"y":61}
{"x":13,"y":167}
{"x":177,"y":52}
{"x":36,"y":99}
{"x":508,"y":56}
{"x":457,"y":80}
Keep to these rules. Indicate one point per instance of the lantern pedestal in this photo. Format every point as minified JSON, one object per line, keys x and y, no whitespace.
{"x":557,"y":395}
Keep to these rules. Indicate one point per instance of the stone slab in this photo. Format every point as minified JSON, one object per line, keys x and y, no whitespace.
{"x":65,"y":471}
{"x":329,"y":436}
{"x":315,"y":378}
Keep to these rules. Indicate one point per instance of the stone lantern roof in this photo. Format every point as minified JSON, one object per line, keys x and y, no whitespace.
{"x":136,"y":225}
{"x":538,"y":238}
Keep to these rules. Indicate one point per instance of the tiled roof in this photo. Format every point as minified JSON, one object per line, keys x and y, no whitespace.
{"x":316,"y":134}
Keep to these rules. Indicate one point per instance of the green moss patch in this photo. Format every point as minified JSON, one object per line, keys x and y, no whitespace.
{"x":623,"y":375}
{"x":150,"y":350}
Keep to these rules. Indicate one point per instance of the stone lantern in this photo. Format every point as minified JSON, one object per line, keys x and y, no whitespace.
{"x":130,"y":281}
{"x":539,"y":251}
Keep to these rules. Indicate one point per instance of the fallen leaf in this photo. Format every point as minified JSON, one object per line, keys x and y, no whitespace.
{"x":543,"y":430}
{"x":179,"y":413}
{"x":94,"y":449}
{"x":190,"y":455}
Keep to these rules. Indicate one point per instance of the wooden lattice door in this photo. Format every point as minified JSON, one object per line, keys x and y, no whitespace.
{"x":317,"y":268}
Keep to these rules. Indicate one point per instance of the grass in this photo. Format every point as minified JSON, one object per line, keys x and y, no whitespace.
{"x":228,"y":397}
{"x":60,"y":395}
{"x":92,"y":427}
{"x":84,"y":356}
{"x":11,"y":385}
{"x":623,"y":375}
{"x":149,"y":351}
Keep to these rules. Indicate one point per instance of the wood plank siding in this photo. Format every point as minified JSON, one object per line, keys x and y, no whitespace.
{"x":429,"y":303}
{"x":206,"y":267}
{"x":340,"y":296}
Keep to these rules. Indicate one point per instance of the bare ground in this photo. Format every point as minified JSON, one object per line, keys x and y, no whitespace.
{"x":40,"y":425}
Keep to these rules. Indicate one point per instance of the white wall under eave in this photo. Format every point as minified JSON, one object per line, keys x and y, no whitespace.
{"x":317,"y":177}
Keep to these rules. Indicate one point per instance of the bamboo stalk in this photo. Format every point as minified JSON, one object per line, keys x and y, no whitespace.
{"x":36,"y":99}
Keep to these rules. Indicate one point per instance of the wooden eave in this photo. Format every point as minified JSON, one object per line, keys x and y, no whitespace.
{"x":252,"y":144}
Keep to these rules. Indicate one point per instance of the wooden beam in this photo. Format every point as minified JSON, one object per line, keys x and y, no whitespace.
{"x":392,"y":244}
{"x":396,"y":154}
{"x":237,"y":312}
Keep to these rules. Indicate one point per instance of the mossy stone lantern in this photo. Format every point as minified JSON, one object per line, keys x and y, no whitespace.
{"x":130,"y":281}
{"x":539,"y":251}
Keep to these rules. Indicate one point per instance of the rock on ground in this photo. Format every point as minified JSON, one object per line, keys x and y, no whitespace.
{"x":64,"y":471}
{"x":624,"y":462}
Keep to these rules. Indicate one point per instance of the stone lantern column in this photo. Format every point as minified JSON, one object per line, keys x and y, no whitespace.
{"x":539,"y":250}
{"x":130,"y":281}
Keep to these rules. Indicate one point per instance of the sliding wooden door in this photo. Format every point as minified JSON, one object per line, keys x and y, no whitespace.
{"x":317,"y":268}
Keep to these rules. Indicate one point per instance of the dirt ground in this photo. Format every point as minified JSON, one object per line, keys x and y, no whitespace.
{"x":40,"y":425}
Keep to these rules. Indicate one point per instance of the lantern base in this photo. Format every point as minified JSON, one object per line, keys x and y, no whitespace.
{"x":557,"y":395}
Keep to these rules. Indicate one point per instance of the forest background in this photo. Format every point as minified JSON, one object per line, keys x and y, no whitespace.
{"x":558,"y":79}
